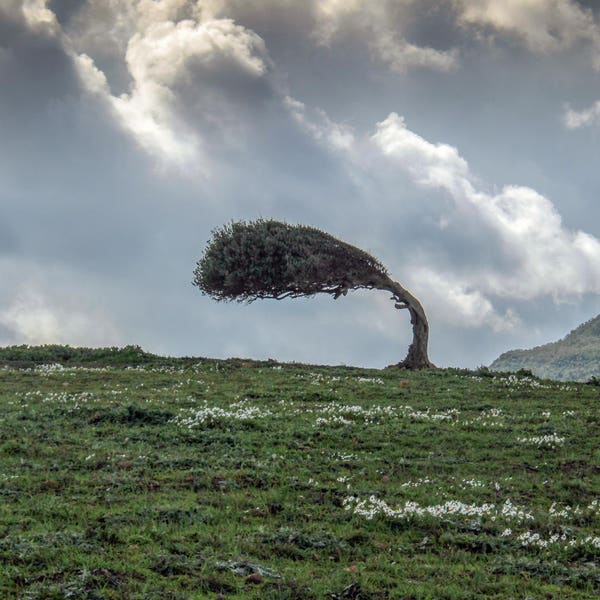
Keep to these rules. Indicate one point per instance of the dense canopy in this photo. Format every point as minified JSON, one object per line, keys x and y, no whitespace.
{"x":268,"y":259}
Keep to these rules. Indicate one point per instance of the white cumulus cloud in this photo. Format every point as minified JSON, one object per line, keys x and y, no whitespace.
{"x":320,"y":126}
{"x":543,"y":256}
{"x":38,"y":15}
{"x":161,"y":58}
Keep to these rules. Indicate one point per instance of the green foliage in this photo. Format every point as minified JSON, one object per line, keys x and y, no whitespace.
{"x":574,"y":358}
{"x":268,"y":259}
{"x":189,"y":478}
{"x":55,"y":353}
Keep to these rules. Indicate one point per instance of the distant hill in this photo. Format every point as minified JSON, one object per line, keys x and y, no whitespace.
{"x":574,"y":358}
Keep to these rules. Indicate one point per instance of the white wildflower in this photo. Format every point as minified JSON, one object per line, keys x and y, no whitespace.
{"x":551,"y":440}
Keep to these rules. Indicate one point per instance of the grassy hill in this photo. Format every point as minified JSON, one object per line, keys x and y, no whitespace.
{"x":574,"y":358}
{"x":197,"y":478}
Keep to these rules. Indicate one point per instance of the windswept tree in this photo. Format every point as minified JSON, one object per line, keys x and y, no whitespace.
{"x":247,"y":261}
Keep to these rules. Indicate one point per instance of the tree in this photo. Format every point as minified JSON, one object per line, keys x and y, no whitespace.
{"x":247,"y":261}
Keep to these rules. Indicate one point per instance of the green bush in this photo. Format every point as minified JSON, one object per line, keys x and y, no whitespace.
{"x":55,"y":353}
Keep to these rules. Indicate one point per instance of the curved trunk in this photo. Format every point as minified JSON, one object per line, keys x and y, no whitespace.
{"x":417,"y":357}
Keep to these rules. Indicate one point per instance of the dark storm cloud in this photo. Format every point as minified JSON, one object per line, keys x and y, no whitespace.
{"x":65,"y":10}
{"x":430,"y":23}
{"x":593,"y":5}
{"x":34,"y":68}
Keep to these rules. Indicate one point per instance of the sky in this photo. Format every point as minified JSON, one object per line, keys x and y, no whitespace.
{"x":455,"y":140}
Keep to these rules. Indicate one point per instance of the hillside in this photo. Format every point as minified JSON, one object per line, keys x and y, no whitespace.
{"x":574,"y":358}
{"x":197,"y":478}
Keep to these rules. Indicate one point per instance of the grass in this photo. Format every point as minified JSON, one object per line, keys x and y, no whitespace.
{"x":237,"y":479}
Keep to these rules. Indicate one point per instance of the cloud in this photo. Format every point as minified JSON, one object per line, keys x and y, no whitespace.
{"x":34,"y":317}
{"x":543,"y":26}
{"x":164,"y":60}
{"x":320,"y":126}
{"x":182,"y":62}
{"x":160,"y":61}
{"x":454,"y":301}
{"x":179,"y":54}
{"x":38,"y":16}
{"x":437,"y":165}
{"x":381,"y":24}
{"x":542,"y":256}
{"x":574,"y":119}
{"x":401,"y":34}
{"x":400,"y":55}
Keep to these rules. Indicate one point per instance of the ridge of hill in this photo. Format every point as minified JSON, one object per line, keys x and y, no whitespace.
{"x":576,"y":357}
{"x":25,"y":356}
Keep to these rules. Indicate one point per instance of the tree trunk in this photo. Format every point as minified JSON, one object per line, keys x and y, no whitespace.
{"x":417,"y":357}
